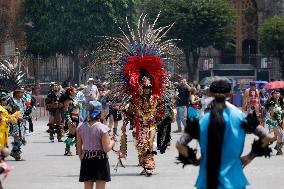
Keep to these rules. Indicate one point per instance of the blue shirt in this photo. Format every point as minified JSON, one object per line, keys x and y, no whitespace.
{"x":231,"y":171}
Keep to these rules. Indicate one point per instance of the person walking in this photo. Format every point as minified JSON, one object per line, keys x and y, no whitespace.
{"x":221,"y":134}
{"x":17,"y":130}
{"x":251,"y":99}
{"x":55,"y":109}
{"x":30,"y":103}
{"x":91,"y":91}
{"x":80,"y":98}
{"x":93,"y":143}
{"x":182,"y":101}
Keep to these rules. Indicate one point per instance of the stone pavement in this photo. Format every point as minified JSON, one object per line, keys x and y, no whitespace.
{"x":45,"y":167}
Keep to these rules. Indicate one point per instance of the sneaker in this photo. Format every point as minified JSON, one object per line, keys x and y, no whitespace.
{"x":60,"y":140}
{"x":28,"y":133}
{"x":148,"y":173}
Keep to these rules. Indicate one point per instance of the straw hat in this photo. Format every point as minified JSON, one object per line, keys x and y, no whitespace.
{"x":81,"y":87}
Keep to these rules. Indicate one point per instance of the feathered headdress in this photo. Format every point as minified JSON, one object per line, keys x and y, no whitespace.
{"x":141,"y":52}
{"x":10,"y":75}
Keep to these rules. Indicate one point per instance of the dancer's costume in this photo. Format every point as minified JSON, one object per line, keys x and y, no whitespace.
{"x":30,"y":103}
{"x":274,"y":120}
{"x":236,"y":125}
{"x":17,"y":130}
{"x":71,"y":118}
{"x":141,"y":58}
{"x":252,"y":100}
{"x":11,"y":80}
{"x":55,"y":109}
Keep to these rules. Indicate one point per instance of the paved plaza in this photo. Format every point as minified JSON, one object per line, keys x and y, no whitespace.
{"x":45,"y":167}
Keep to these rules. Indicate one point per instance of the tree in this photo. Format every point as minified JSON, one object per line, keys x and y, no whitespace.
{"x":66,"y":26}
{"x":198,"y":23}
{"x":271,"y":35}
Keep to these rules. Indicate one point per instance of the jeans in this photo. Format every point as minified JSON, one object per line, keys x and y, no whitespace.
{"x":181,"y":111}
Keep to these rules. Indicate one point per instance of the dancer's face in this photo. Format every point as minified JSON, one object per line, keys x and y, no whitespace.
{"x":147,"y":90}
{"x":276,"y":95}
{"x":3,"y":102}
{"x":55,"y":88}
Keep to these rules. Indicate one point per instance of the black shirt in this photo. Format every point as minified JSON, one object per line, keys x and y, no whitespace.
{"x":183,"y":96}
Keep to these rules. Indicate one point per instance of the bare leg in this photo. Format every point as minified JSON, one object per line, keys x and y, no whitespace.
{"x":115,"y":124}
{"x":88,"y":184}
{"x":277,"y":135}
{"x":111,"y":122}
{"x":100,"y":184}
{"x":152,"y":134}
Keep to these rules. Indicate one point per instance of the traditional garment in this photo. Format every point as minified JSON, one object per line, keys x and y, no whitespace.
{"x":17,"y":129}
{"x":55,"y":109}
{"x":221,"y":134}
{"x":72,"y":119}
{"x":142,"y":79}
{"x":148,"y":112}
{"x":6,"y":119}
{"x":253,"y":102}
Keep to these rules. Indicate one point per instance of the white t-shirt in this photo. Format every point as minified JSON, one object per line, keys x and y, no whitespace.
{"x":91,"y":93}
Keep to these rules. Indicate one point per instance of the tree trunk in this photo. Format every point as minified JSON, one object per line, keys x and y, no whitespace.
{"x":195,"y":56}
{"x":187,"y":63}
{"x":76,"y":68}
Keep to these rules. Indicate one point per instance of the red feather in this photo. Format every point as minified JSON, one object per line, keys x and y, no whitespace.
{"x":153,"y":65}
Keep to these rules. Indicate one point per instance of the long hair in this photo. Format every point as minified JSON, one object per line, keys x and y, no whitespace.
{"x":216,"y":132}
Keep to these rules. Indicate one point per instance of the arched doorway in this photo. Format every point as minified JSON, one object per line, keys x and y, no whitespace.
{"x":249,"y":49}
{"x":228,"y":54}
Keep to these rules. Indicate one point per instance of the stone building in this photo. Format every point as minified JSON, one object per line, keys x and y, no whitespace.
{"x":11,"y":33}
{"x":250,"y":14}
{"x":245,"y":48}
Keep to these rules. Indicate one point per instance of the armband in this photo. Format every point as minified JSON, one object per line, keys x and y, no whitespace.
{"x":250,"y":123}
{"x":191,"y":158}
{"x":193,"y":128}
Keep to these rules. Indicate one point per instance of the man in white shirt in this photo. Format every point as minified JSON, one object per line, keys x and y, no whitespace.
{"x":91,"y":92}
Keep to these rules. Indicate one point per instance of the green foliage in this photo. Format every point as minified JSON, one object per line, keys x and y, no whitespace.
{"x":66,"y":25}
{"x":199,"y":23}
{"x":271,"y":35}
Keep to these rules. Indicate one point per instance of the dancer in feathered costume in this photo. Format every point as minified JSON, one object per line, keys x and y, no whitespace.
{"x":221,"y":134}
{"x":10,"y":81}
{"x":71,"y":117}
{"x":140,"y":59}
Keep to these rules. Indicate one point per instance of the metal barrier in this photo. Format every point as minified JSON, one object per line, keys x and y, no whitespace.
{"x":40,"y":107}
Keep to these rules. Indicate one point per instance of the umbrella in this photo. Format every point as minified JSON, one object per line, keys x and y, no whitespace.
{"x":274,"y":85}
{"x":208,"y":80}
{"x":259,"y":84}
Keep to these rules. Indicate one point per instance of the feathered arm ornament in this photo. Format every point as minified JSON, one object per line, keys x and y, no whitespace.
{"x":258,"y":150}
{"x":250,"y":123}
{"x":190,"y":159}
{"x":187,"y":155}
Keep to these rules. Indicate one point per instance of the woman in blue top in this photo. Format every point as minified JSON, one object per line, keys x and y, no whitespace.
{"x":221,"y":134}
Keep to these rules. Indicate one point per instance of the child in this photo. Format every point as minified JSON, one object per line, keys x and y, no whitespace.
{"x":93,"y":143}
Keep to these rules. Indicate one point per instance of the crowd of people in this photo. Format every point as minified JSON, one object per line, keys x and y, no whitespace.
{"x":88,"y":117}
{"x":100,"y":114}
